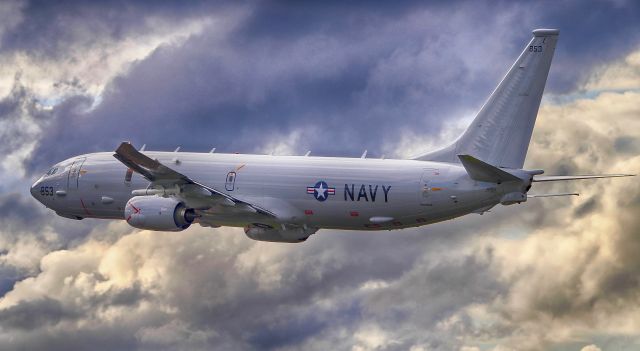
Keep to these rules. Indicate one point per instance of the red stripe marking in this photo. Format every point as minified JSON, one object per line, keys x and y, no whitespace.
{"x":135,"y":210}
{"x":85,"y":208}
{"x":354,"y":213}
{"x":308,"y":212}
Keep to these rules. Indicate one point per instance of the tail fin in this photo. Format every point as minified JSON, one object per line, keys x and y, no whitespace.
{"x":501,"y":132}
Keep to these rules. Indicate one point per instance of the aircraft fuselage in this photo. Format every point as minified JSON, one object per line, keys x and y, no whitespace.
{"x":320,"y":192}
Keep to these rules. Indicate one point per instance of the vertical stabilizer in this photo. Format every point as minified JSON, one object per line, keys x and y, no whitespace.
{"x":501,"y":131}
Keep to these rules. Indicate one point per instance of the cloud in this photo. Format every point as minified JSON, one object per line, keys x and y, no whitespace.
{"x":623,"y":75}
{"x":575,"y":274}
{"x":65,"y":69}
{"x":265,"y":77}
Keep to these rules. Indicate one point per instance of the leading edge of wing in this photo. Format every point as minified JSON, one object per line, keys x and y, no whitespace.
{"x":578,"y":177}
{"x":154,"y":171}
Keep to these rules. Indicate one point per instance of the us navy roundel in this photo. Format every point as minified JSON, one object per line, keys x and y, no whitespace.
{"x":321,"y":191}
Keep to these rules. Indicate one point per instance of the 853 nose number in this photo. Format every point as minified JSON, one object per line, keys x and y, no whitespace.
{"x":46,"y":191}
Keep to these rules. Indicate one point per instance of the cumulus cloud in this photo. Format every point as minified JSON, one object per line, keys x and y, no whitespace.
{"x":623,"y":75}
{"x":541,"y":275}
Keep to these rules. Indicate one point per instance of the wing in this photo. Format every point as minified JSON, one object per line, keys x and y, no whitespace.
{"x":161,"y":175}
{"x":559,"y":178}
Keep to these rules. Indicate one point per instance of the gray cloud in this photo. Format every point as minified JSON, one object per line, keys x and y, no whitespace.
{"x":357,"y":79}
{"x":34,"y":315}
{"x":361,"y":75}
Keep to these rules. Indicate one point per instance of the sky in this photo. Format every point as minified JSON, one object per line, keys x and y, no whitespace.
{"x":395,"y":78}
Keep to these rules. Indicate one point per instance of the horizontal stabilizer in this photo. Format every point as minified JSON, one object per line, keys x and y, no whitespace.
{"x":484,"y":172}
{"x":559,"y":178}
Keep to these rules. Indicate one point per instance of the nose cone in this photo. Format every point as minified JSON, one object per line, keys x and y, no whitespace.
{"x":35,"y":190}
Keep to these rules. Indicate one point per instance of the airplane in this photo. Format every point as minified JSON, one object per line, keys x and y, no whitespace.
{"x":289,"y":198}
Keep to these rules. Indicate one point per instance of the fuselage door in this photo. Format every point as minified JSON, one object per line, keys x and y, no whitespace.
{"x":426,"y":198}
{"x":74,"y":174}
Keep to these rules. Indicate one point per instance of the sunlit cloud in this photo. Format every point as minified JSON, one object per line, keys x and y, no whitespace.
{"x":555,"y":274}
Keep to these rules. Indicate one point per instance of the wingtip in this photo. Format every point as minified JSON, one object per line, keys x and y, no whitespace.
{"x":123,"y":145}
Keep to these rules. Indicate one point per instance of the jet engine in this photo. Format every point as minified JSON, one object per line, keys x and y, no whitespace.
{"x":263,"y":232}
{"x":158,"y":213}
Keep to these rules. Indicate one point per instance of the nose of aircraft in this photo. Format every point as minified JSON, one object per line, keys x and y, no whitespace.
{"x":34,"y":190}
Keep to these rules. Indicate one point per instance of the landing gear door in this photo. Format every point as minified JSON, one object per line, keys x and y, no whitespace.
{"x":74,"y":174}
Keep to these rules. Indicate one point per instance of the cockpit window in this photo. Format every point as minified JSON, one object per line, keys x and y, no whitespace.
{"x":52,"y":171}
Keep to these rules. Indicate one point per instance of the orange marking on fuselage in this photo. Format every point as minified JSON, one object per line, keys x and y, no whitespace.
{"x":86,"y":210}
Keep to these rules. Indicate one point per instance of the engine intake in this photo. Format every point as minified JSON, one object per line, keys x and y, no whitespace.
{"x":158,"y":213}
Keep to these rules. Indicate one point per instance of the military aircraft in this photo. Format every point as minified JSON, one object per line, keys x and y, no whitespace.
{"x":289,"y":198}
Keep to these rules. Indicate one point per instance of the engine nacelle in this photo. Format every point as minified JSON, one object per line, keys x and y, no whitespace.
{"x":158,"y":213}
{"x":262,"y":232}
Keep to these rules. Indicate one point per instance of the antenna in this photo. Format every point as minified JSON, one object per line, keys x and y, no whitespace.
{"x":175,"y":159}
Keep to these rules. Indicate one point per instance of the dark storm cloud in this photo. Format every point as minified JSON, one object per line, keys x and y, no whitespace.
{"x":588,"y":36}
{"x":348,"y":81}
{"x":14,"y":109}
{"x":50,"y":28}
{"x":350,"y":77}
{"x":35,"y":314}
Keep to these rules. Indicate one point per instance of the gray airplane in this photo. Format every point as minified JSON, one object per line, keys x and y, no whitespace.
{"x":288,"y":198}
